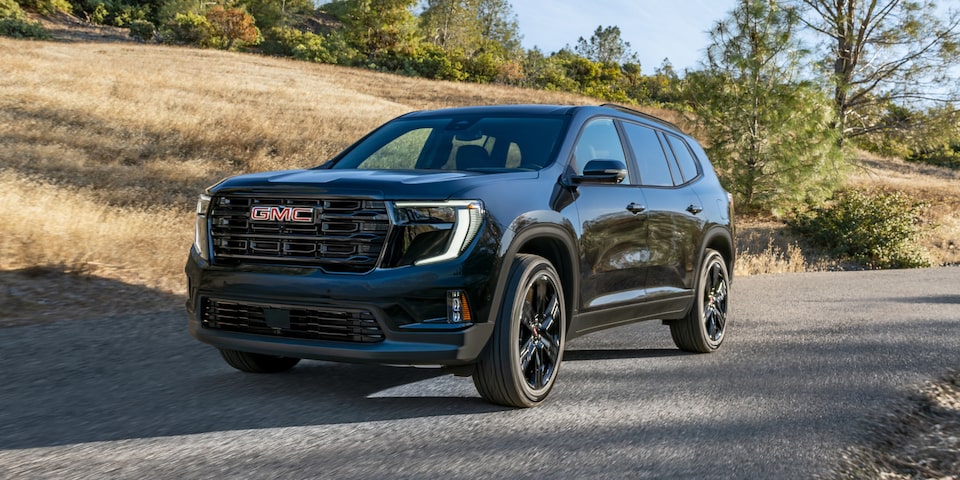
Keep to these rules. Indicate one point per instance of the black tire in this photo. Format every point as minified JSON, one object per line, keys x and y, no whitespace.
{"x":258,"y":363}
{"x":703,"y":329}
{"x":520,"y":363}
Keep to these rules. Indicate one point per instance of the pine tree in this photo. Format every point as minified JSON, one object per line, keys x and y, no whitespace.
{"x":769,"y":132}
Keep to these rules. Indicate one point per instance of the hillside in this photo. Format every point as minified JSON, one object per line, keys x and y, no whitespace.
{"x":106,"y":145}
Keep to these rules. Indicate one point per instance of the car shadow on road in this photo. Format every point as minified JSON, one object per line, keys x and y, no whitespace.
{"x":143,"y":376}
{"x":948,"y":299}
{"x":617,"y":354}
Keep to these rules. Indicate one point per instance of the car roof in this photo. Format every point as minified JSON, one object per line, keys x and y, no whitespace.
{"x":494,"y":110}
{"x":546,"y":110}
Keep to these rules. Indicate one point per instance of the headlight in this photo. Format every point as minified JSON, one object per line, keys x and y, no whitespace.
{"x":432,"y":232}
{"x":200,"y":232}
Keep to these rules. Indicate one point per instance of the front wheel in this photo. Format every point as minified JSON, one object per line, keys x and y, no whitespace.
{"x":257,"y":363}
{"x":702,"y":330}
{"x":520,"y":363}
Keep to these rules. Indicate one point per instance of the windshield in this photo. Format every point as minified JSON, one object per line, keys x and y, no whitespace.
{"x":481,"y":144}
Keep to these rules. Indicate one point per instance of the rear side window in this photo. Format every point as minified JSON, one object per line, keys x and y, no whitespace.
{"x":654,"y":170}
{"x":688,"y":164}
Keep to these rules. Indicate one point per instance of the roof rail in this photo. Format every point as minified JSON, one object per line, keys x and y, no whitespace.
{"x":638,"y":113}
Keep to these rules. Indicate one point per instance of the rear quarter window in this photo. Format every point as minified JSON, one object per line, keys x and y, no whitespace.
{"x":688,"y":164}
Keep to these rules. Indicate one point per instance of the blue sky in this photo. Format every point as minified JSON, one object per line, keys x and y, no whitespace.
{"x":656,"y":29}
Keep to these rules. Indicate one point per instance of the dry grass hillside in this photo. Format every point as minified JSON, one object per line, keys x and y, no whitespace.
{"x":104,"y":147}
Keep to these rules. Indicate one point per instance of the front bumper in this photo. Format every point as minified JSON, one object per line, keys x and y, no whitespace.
{"x":405,"y":303}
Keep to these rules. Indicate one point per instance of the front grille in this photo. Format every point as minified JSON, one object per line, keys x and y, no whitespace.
{"x":314,"y":323}
{"x":344,"y":236}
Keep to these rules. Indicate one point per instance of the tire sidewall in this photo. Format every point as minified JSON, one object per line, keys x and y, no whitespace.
{"x":510,"y":316}
{"x":712,"y":257}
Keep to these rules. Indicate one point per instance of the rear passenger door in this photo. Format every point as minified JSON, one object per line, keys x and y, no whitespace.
{"x":666,"y":172}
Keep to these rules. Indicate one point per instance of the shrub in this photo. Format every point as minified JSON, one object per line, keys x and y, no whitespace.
{"x":188,"y":29}
{"x":48,"y":7}
{"x":876,"y":230}
{"x":99,"y":14}
{"x":21,"y":28}
{"x":298,"y":44}
{"x":11,"y":9}
{"x":128,"y":14}
{"x":142,"y":30}
{"x":431,"y":61}
{"x":944,"y":155}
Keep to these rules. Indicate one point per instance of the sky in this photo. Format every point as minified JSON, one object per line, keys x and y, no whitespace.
{"x":655,"y":29}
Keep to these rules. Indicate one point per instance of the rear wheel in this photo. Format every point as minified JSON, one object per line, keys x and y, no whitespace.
{"x":257,"y":363}
{"x":520,"y":364}
{"x":702,"y":330}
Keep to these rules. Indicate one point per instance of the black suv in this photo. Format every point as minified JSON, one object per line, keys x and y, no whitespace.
{"x":479,"y":239}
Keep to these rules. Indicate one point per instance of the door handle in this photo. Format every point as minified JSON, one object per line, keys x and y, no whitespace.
{"x":635,"y":207}
{"x":694,"y":209}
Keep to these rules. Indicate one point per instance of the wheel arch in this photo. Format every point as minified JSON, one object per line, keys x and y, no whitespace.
{"x":719,"y":239}
{"x":557,"y":246}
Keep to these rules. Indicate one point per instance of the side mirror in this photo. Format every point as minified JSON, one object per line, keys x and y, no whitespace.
{"x":602,"y":171}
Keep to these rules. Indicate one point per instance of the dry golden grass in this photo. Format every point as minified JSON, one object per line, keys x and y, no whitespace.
{"x":69,"y":228}
{"x":105,"y":147}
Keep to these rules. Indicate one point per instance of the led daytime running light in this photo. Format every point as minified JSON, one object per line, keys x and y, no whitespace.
{"x":469,"y":216}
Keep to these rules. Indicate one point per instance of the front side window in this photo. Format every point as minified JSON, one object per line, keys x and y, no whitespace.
{"x":599,"y":141}
{"x":479,"y":144}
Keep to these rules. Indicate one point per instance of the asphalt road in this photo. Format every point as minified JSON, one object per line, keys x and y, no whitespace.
{"x":809,"y":361}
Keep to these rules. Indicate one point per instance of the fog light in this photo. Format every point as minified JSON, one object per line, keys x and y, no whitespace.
{"x":458,"y":310}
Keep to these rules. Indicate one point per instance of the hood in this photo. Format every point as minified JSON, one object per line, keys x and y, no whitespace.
{"x":386,"y":184}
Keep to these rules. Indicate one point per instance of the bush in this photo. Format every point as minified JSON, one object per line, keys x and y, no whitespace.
{"x":128,"y":14}
{"x":877,"y":231}
{"x":431,"y":61}
{"x":11,"y":9}
{"x":48,"y":7}
{"x":290,"y":42}
{"x":99,"y":14}
{"x":20,"y":28}
{"x":944,"y":155}
{"x":188,"y":29}
{"x":142,"y":30}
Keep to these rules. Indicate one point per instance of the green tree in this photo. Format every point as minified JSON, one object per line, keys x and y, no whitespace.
{"x":278,"y":13}
{"x":384,"y":31}
{"x":499,"y":28}
{"x":768,"y":132}
{"x":881,"y":52}
{"x":605,"y":46}
{"x":481,"y":35}
{"x":452,"y":25}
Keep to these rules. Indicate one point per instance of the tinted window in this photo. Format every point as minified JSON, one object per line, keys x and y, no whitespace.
{"x":599,"y":141}
{"x":688,"y":165}
{"x":487,"y":144}
{"x":651,"y":160}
